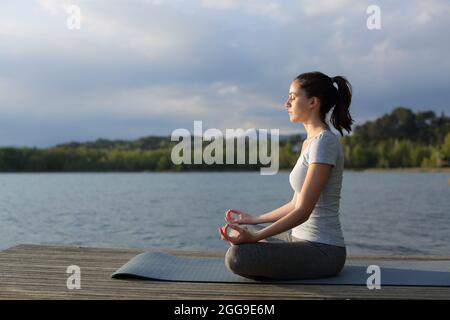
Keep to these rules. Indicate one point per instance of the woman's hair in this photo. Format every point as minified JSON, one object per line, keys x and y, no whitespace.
{"x":317,"y":84}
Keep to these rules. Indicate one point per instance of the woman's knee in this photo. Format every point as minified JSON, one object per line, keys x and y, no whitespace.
{"x":233,"y":258}
{"x":337,"y":261}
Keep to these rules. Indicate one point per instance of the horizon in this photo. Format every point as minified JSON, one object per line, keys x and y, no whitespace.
{"x":282,"y":136}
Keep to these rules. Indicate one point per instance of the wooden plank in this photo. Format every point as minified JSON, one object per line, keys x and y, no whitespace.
{"x":39,"y":272}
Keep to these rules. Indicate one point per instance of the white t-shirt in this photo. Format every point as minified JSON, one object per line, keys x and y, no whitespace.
{"x":323,"y":225}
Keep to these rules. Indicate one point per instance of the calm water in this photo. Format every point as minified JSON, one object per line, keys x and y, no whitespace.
{"x":381,"y":213}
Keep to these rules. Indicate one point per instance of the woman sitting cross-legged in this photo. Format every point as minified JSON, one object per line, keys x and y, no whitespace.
{"x":304,"y":239}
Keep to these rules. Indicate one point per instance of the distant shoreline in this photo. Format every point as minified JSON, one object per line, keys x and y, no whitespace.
{"x":419,"y":169}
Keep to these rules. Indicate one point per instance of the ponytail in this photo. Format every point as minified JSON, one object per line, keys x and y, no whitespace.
{"x":340,"y":116}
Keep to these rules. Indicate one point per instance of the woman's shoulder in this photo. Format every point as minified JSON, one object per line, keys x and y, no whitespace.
{"x":325,"y":140}
{"x":327,"y":136}
{"x":324,"y":149}
{"x":328,"y":133}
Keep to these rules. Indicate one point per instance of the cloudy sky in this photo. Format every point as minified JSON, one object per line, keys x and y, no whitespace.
{"x":147,"y":67}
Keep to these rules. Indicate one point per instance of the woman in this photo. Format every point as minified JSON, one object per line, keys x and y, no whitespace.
{"x":305,"y":239}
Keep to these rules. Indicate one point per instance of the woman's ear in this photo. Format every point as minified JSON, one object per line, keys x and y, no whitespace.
{"x":314,"y":103}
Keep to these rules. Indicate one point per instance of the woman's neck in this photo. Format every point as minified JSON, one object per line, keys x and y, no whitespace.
{"x":313,"y":129}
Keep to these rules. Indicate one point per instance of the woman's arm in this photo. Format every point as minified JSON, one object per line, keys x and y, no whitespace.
{"x":278,"y":213}
{"x":315,"y":181}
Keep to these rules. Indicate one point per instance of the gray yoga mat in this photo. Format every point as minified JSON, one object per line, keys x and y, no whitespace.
{"x":167,"y":267}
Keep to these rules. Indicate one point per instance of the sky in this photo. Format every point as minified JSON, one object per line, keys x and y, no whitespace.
{"x":148,"y":67}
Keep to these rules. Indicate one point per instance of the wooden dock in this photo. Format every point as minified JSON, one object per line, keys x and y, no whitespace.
{"x":39,"y":272}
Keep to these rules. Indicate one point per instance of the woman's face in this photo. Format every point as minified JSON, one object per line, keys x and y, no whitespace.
{"x":297,"y":104}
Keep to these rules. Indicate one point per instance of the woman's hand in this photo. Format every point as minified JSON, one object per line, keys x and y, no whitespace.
{"x":244,"y":236}
{"x":243,"y":218}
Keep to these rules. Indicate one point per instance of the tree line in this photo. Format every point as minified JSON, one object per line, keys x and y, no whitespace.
{"x":399,"y":139}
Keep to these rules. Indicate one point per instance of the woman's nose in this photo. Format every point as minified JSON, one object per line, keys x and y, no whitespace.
{"x":287,"y":104}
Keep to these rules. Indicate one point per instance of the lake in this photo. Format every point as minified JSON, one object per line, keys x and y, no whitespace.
{"x":385,"y":213}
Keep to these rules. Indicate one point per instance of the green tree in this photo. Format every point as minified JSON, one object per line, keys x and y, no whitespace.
{"x":432,"y":160}
{"x":445,"y":148}
{"x":362,"y":157}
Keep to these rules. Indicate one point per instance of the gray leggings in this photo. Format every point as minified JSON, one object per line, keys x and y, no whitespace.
{"x":284,"y":257}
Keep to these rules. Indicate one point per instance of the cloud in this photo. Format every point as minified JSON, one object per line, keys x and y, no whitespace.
{"x":268,"y":9}
{"x":315,"y":8}
{"x":431,"y":10}
{"x":148,"y":66}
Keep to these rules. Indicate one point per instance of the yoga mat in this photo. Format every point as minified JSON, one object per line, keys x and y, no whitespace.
{"x":167,"y":267}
